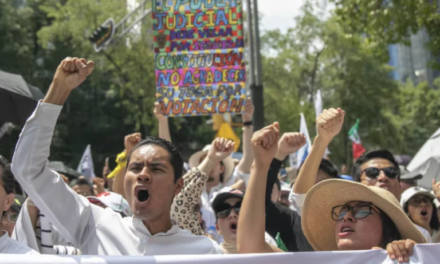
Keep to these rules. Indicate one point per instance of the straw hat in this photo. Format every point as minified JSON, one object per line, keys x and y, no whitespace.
{"x":228,"y":162}
{"x":318,"y":225}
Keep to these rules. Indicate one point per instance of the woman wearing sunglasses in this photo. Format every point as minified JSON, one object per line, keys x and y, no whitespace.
{"x":418,"y":204}
{"x":227,"y":205}
{"x":359,"y":217}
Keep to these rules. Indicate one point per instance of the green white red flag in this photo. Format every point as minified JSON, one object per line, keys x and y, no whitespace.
{"x":353,"y":134}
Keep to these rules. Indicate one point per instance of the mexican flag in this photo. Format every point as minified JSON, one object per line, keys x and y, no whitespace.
{"x":358,"y":149}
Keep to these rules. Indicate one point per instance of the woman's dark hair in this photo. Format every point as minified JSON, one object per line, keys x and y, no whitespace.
{"x":7,"y":178}
{"x":327,"y":167}
{"x":176,"y":159}
{"x":434,"y":223}
{"x":390,"y":232}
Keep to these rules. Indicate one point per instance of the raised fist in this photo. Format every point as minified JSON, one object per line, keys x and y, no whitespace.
{"x":220,"y":149}
{"x":329,"y":123}
{"x":72,"y":72}
{"x":290,"y":143}
{"x":158,"y":112}
{"x":248,"y":111}
{"x":265,"y":144}
{"x":131,"y":141}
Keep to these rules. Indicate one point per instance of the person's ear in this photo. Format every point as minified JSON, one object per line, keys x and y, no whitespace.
{"x":8,"y":202}
{"x":178,"y":186}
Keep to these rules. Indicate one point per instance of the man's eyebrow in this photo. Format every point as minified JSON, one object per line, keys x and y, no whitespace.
{"x":157,"y":164}
{"x":135,"y":163}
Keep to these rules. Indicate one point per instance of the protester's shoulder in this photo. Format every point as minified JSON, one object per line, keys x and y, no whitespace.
{"x":15,"y":247}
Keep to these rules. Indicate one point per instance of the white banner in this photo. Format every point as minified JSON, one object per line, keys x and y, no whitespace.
{"x":427,"y":253}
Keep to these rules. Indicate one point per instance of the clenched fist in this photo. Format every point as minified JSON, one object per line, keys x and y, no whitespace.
{"x":265,"y":144}
{"x":329,"y":123}
{"x":290,"y":143}
{"x":220,"y":149}
{"x":72,"y":72}
{"x":131,"y":141}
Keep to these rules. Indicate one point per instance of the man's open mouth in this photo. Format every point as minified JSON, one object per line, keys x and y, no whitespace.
{"x":142,"y":194}
{"x":424,"y":212}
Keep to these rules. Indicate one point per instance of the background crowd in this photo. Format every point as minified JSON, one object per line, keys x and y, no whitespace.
{"x":168,"y":194}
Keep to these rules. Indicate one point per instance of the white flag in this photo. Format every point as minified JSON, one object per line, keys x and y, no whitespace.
{"x":302,"y":153}
{"x":85,"y":166}
{"x":318,"y":110}
{"x":318,"y":103}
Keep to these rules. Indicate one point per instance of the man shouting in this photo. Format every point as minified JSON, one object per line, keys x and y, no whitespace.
{"x":153,"y":177}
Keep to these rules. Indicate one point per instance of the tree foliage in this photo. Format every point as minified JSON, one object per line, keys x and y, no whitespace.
{"x":323,"y":54}
{"x":392,"y":21}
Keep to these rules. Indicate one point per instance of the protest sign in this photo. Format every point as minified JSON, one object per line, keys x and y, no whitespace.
{"x":199,"y":59}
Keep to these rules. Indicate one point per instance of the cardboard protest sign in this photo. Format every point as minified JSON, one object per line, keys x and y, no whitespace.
{"x":200,"y":68}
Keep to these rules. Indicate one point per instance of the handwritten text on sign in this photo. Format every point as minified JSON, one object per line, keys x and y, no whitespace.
{"x":199,"y":59}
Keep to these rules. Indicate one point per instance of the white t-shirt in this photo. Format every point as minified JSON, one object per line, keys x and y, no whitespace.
{"x":10,"y":246}
{"x":425,"y":233}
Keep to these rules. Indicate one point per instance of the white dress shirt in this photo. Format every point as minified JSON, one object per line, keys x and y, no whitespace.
{"x":10,"y":246}
{"x":92,"y":229}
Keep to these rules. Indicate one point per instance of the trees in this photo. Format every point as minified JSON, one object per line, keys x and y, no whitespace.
{"x":318,"y":54}
{"x":117,"y":99}
{"x":392,"y":21}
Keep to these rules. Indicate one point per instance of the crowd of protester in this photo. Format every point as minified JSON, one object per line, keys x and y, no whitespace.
{"x":154,"y":203}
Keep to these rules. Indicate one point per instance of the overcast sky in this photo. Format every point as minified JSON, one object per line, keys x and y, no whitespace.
{"x":278,"y":13}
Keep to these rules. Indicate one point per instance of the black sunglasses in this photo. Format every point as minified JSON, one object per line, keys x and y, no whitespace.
{"x":224,"y":210}
{"x":359,"y":211}
{"x":373,"y":173}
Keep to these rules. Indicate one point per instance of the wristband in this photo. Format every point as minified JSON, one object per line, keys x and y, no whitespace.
{"x":247,"y":123}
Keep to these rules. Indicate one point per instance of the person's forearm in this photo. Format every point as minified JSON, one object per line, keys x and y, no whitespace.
{"x":251,"y":224}
{"x":194,"y":182}
{"x":118,"y":182}
{"x":272,"y":176}
{"x":207,"y":165}
{"x":248,"y":155}
{"x":56,"y":94}
{"x":164,"y":129}
{"x":307,"y":175}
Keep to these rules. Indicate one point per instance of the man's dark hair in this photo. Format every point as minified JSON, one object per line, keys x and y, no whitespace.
{"x":374,"y":154}
{"x":390,"y":232}
{"x":81,"y":181}
{"x":7,"y":178}
{"x":327,"y":167}
{"x":175,"y":156}
{"x":434,"y":223}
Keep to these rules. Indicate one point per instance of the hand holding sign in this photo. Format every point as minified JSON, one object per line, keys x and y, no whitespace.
{"x":248,"y":110}
{"x":158,"y":112}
